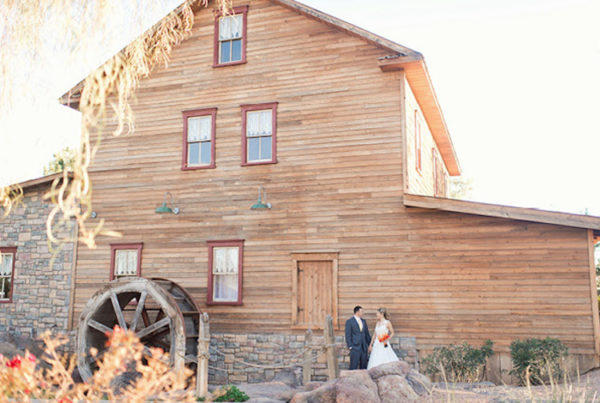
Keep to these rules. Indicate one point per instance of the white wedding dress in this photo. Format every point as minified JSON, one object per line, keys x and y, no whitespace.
{"x":380,"y":354}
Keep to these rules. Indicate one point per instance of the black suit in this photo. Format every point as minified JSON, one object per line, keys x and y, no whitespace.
{"x":358,"y":343}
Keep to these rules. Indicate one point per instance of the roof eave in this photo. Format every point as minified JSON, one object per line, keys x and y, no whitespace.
{"x":348,"y":27}
{"x":496,"y":210}
{"x":41,"y":180}
{"x":420,"y":82}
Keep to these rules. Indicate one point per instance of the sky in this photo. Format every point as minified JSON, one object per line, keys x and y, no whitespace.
{"x":517,"y":81}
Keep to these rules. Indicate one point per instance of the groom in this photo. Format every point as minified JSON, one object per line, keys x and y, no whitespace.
{"x":358,"y":339}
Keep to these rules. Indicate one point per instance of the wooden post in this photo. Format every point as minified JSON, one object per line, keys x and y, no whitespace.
{"x":332,"y":364}
{"x":203,"y":356}
{"x":307,"y":364}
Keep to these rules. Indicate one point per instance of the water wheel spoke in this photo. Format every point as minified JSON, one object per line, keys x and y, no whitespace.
{"x":153,"y":327}
{"x":138,"y":310}
{"x":118,"y":311}
{"x":94,"y":324}
{"x":145,"y":317}
{"x":162,"y":332}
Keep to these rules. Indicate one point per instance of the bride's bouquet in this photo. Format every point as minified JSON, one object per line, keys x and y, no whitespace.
{"x":383,"y":339}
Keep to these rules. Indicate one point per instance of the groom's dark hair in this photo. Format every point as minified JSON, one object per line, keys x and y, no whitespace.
{"x":357,"y":308}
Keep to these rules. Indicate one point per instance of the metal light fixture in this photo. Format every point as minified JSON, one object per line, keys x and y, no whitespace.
{"x":259,"y":203}
{"x":166,"y":209}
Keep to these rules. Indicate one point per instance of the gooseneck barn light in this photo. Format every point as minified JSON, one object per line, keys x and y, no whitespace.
{"x":259,"y":203}
{"x":166,"y":209}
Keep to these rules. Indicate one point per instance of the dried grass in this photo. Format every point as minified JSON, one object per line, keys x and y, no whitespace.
{"x":569,"y":389}
{"x":49,"y":377}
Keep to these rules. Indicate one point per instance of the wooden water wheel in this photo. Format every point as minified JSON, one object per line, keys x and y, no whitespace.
{"x":161,"y":313}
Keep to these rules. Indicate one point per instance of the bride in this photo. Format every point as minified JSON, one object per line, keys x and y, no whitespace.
{"x":381,"y":351}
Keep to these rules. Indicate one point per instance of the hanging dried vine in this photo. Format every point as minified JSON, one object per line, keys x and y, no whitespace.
{"x":111,"y":86}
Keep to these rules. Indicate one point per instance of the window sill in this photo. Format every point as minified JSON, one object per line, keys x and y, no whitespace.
{"x":215,"y":65}
{"x":246,"y":164}
{"x":194,"y":168}
{"x":213,"y":303}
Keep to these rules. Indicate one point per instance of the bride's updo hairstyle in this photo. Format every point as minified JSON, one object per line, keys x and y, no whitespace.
{"x":384,"y":312}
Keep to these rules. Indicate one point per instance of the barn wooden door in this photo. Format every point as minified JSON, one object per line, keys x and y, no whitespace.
{"x":314,"y":279}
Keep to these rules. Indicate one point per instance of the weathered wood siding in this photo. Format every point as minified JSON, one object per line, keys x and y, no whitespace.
{"x":421,"y":183}
{"x":337,"y":187}
{"x":466,"y":277}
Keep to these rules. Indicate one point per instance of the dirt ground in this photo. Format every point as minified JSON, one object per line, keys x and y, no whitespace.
{"x":584,"y":389}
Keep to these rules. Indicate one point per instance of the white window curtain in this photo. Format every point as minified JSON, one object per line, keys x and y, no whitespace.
{"x":225,"y":273}
{"x":230,"y":27}
{"x":126,"y":262}
{"x":199,"y":128}
{"x":6,"y":262}
{"x":6,"y":265}
{"x":259,"y":123}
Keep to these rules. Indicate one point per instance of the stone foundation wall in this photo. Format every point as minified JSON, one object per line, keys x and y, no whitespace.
{"x":229,"y":353}
{"x":41,"y":290}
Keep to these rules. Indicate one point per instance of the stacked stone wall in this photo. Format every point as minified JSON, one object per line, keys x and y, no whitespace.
{"x":42,"y":279}
{"x":272,"y":355}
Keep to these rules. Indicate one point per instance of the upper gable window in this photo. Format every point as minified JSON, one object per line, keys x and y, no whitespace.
{"x":230,"y":38}
{"x":259,"y":132}
{"x":199,"y":138}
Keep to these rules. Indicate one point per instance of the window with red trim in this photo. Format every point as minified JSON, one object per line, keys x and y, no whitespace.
{"x":230,"y":37}
{"x":125,"y":260}
{"x":418,"y":154}
{"x":199,"y":138}
{"x":259,"y":134}
{"x":7,"y":273}
{"x":225,"y":263}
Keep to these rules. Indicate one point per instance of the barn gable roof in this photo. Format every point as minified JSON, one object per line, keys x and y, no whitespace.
{"x":401,"y":58}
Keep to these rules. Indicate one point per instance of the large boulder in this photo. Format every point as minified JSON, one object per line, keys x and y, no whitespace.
{"x":395,"y":388}
{"x":324,"y":393}
{"x":392,"y":382}
{"x":391,"y":368}
{"x":419,"y":382}
{"x":356,"y":386}
{"x":313,"y":385}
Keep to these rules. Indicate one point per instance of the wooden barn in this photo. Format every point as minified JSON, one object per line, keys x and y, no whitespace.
{"x":340,"y":132}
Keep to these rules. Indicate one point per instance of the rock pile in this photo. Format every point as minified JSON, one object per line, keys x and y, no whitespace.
{"x":393,"y":382}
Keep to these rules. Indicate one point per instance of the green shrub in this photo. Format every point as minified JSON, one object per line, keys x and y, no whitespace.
{"x":537,"y":360}
{"x":230,"y":393}
{"x":459,"y":363}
